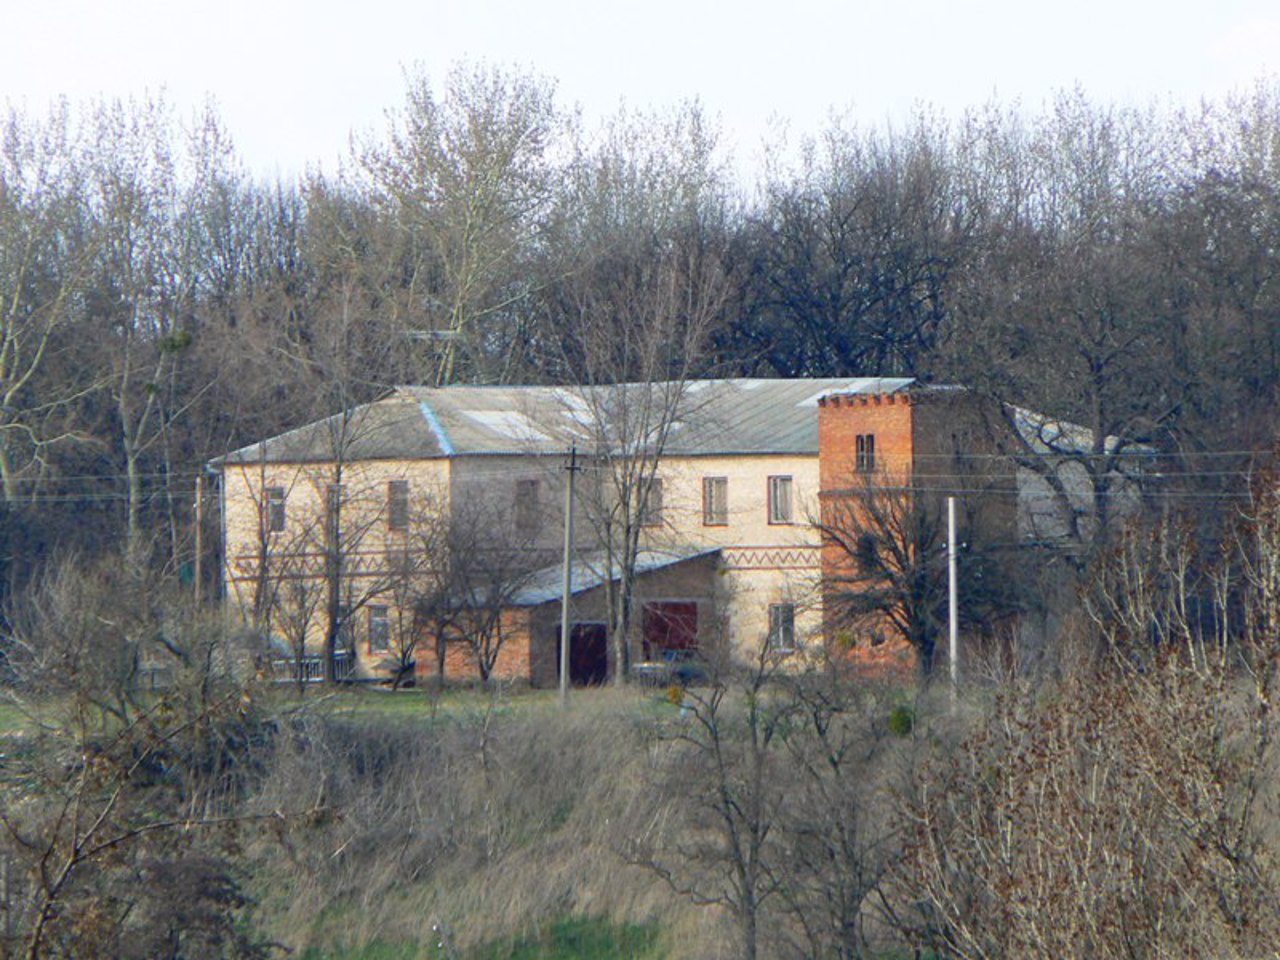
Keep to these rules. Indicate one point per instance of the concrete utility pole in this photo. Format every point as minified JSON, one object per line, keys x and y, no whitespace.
{"x":953,"y":600}
{"x":572,"y":467}
{"x":199,"y":557}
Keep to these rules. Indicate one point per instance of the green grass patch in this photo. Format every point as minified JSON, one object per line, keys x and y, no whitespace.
{"x":374,"y":951}
{"x":417,"y":704}
{"x":427,"y":706}
{"x":579,"y":938}
{"x":585,"y":938}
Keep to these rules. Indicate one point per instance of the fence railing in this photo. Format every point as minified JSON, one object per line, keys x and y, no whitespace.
{"x":310,"y":668}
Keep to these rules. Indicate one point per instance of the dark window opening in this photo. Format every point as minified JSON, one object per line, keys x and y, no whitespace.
{"x":275,"y":509}
{"x":651,"y":512}
{"x":865,"y":453}
{"x":379,"y":629}
{"x":398,"y":505}
{"x":526,"y":507}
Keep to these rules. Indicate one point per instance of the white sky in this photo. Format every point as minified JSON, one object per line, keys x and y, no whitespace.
{"x":292,"y":78}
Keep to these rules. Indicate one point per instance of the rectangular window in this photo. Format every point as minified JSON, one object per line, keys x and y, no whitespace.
{"x":399,"y":562}
{"x":715,"y":501}
{"x":865,"y":453}
{"x":379,"y":629}
{"x":275,"y":509}
{"x":780,"y":500}
{"x":345,"y":635}
{"x":651,"y":513}
{"x":397,"y":505}
{"x":782,"y":627}
{"x":527,"y":507}
{"x":333,"y":495}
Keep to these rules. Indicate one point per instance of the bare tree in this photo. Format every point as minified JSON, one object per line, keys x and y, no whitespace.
{"x":849,"y":260}
{"x":1120,"y":814}
{"x":1068,"y":307}
{"x":124,"y":783}
{"x":311,"y":578}
{"x":466,"y":177}
{"x":837,"y":832}
{"x":409,"y":580}
{"x":643,"y":288}
{"x":352,"y":555}
{"x":293,"y":592}
{"x":726,"y":771}
{"x":886,"y":575}
{"x":470,"y":579}
{"x":631,"y":425}
{"x":147,"y":278}
{"x":47,"y":241}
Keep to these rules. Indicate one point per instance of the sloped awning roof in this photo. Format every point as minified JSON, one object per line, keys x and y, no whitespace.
{"x":590,"y":571}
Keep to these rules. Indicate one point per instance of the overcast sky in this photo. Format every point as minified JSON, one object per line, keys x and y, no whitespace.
{"x":292,"y":78}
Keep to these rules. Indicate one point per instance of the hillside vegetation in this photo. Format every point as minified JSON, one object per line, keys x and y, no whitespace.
{"x":1117,"y":801}
{"x":1112,"y":795}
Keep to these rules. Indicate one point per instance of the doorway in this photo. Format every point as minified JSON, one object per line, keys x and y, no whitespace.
{"x":588,"y":654}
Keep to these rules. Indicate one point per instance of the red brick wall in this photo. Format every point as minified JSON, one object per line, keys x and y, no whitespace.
{"x":514,"y":657}
{"x":891,"y":419}
{"x":841,"y":419}
{"x":934,"y":441}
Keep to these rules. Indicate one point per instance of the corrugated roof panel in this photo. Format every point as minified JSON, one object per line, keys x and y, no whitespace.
{"x":591,"y":570}
{"x":388,"y":429}
{"x":508,"y":425}
{"x":712,"y":417}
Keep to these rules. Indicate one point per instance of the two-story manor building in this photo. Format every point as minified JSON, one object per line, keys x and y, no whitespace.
{"x":333,"y":520}
{"x":432,"y":521}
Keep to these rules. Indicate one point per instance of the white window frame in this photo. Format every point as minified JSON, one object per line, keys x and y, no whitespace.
{"x":715,"y":501}
{"x":782,"y":628}
{"x":781,"y":495}
{"x":379,"y":628}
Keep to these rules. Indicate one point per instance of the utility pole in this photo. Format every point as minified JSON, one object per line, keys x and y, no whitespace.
{"x":572,"y":467}
{"x":199,"y":533}
{"x":953,"y":601}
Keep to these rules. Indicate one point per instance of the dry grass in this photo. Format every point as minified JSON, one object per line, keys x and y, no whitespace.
{"x":491,"y":817}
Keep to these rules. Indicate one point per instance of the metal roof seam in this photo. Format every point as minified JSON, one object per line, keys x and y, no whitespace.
{"x":437,"y":428}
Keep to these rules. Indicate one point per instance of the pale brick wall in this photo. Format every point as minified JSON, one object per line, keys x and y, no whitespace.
{"x":296,"y":548}
{"x":763,"y":563}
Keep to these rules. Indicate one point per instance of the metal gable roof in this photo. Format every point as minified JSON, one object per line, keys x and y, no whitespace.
{"x":725,"y":417}
{"x":391,"y":428}
{"x":744,"y":416}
